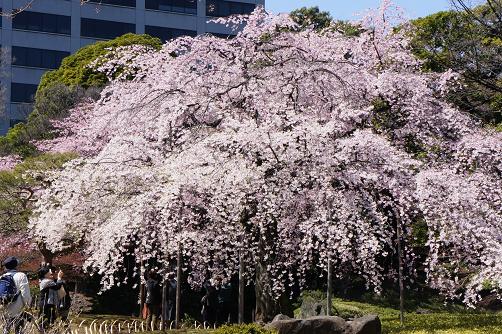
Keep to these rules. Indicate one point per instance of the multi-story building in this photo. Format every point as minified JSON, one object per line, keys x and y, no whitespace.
{"x":38,"y":38}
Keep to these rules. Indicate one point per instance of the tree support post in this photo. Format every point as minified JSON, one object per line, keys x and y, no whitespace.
{"x":178,"y":287}
{"x":329,"y":302}
{"x":241,"y":288}
{"x":401,"y":283}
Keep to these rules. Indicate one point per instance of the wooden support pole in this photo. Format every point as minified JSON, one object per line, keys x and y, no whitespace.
{"x":178,"y":287}
{"x":329,"y":302}
{"x":401,"y":283}
{"x":241,"y":288}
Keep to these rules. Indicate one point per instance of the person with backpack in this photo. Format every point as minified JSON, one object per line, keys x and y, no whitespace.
{"x":153,"y":299}
{"x":49,"y":295}
{"x":15,"y":296}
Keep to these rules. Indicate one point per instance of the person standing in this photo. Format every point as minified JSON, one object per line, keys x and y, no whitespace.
{"x":153,"y":299}
{"x":209,"y":305}
{"x":16,"y":296}
{"x":224,"y":302}
{"x":171,"y":297}
{"x":49,"y":295}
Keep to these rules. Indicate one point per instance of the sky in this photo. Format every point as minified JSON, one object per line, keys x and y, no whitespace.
{"x":346,"y":9}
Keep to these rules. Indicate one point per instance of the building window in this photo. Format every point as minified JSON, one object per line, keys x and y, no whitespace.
{"x":166,"y":34}
{"x":104,"y":29}
{"x":227,"y":8}
{"x":123,"y":3}
{"x":22,"y":93}
{"x":178,"y":6}
{"x":58,"y":24}
{"x":31,"y":57}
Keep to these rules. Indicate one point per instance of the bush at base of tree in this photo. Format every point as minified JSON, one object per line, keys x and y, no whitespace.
{"x":243,"y":329}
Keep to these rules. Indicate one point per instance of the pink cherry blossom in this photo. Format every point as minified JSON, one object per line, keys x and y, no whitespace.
{"x":9,"y":162}
{"x":270,"y":146}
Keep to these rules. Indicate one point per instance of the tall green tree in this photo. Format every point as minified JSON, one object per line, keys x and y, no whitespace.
{"x":312,"y":17}
{"x":319,"y":20}
{"x":469,"y":41}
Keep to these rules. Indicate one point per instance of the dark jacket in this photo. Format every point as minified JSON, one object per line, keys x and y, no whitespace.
{"x":153,"y":292}
{"x":225,"y":294}
{"x":171,"y":291}
{"x":210,"y":299}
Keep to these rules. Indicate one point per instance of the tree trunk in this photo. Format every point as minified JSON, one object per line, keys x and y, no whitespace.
{"x":266,"y":306}
{"x":47,"y":255}
{"x":178,"y":288}
{"x":400,"y":264}
{"x":329,"y":303}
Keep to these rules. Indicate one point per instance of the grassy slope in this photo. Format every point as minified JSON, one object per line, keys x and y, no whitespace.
{"x":433,"y":323}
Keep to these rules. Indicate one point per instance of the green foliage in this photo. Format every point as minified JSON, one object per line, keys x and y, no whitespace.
{"x":498,"y":127}
{"x":439,"y":321}
{"x":347,"y":28}
{"x":489,"y":285}
{"x":384,"y":116}
{"x":43,"y":163}
{"x":306,"y":17}
{"x":420,"y":233}
{"x":188,"y":321}
{"x":469,"y":42}
{"x":74,"y":70}
{"x":17,"y":142}
{"x":14,"y":213}
{"x":433,"y":36}
{"x":243,"y":329}
{"x":320,"y":20}
{"x":51,"y":103}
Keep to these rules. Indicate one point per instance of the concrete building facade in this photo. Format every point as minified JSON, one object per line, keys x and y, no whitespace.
{"x":38,"y":38}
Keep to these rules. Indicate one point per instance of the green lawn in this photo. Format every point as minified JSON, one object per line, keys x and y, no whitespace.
{"x":440,"y":322}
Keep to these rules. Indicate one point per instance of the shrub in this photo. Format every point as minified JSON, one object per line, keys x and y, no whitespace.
{"x":347,"y":311}
{"x":243,"y":329}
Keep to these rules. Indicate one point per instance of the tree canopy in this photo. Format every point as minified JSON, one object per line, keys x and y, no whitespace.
{"x":283,"y":147}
